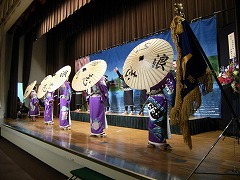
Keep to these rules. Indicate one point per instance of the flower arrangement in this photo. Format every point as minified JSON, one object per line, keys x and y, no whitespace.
{"x":229,"y":76}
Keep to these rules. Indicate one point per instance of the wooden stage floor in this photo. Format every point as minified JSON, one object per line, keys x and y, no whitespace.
{"x":127,"y":148}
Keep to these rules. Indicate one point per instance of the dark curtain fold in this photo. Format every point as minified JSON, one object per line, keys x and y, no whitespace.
{"x":52,"y":61}
{"x":71,"y":63}
{"x":27,"y":58}
{"x":52,"y":53}
{"x":12,"y":91}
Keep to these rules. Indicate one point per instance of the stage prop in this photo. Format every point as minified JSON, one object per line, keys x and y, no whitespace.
{"x":148,"y":63}
{"x":29,"y":89}
{"x":44,"y":86}
{"x":89,"y":75}
{"x":59,"y":78}
{"x":194,"y":42}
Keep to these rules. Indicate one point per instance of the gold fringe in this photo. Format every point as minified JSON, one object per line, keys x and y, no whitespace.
{"x":176,"y":29}
{"x":191,"y":102}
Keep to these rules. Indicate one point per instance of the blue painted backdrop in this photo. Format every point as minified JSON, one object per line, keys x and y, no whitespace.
{"x":205,"y":31}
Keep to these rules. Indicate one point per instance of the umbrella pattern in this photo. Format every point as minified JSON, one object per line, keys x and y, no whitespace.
{"x":44,"y":86}
{"x":29,"y":89}
{"x":59,"y":78}
{"x":148,"y":63}
{"x":89,"y":75}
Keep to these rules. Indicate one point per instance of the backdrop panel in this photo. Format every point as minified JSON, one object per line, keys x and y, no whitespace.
{"x":205,"y":31}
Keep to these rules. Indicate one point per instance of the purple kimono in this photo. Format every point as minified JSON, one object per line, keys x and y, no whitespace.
{"x":158,"y":124}
{"x":34,"y":110}
{"x":65,"y":93}
{"x":48,"y":108}
{"x":98,"y":120}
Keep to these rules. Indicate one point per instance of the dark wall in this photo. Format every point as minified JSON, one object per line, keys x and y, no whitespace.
{"x":229,"y":110}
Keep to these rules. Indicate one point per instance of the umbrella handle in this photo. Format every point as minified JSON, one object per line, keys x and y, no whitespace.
{"x":141,"y":110}
{"x":87,"y":99}
{"x":84,"y":103}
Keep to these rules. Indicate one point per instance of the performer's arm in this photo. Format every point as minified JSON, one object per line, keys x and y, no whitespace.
{"x":119,"y":74}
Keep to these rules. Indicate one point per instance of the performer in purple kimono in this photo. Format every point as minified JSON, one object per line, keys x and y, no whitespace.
{"x":97,"y":98}
{"x":34,"y":102}
{"x":158,"y":125}
{"x":48,"y":108}
{"x":65,"y":93}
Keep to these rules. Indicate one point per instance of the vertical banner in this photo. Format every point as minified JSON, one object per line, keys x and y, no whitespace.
{"x":231,"y":46}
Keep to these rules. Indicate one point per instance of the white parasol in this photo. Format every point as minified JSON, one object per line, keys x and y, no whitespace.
{"x":29,"y":89}
{"x":89,"y":75}
{"x":148,"y":63}
{"x":44,"y":86}
{"x":59,"y":78}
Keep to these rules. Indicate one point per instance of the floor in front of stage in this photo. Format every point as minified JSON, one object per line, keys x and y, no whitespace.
{"x":127,"y":148}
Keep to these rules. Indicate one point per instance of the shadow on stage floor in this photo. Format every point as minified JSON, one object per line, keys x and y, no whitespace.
{"x":126,"y":148}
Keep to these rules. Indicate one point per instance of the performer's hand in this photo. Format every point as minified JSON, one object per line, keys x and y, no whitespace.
{"x":115,"y":69}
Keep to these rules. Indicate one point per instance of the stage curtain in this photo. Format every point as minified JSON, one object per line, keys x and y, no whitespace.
{"x":91,"y":26}
{"x":52,"y":61}
{"x":12,"y":91}
{"x":1,"y":60}
{"x":112,"y":23}
{"x":52,"y":54}
{"x":28,"y":46}
{"x":57,"y":12}
{"x":6,"y":7}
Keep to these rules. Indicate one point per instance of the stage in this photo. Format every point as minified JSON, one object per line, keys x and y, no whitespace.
{"x":123,"y":154}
